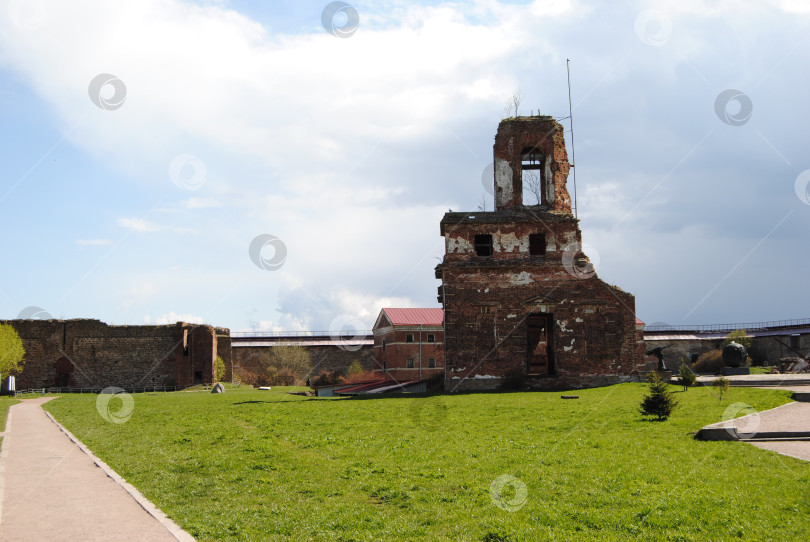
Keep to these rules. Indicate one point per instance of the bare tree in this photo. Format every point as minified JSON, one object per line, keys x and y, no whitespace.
{"x":532,"y":185}
{"x":288,"y":364}
{"x":483,"y":205}
{"x":513,"y":103}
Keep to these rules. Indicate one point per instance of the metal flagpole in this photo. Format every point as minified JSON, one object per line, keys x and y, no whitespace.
{"x":571,"y":118}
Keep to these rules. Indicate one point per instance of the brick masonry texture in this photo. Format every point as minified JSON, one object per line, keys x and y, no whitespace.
{"x":523,"y":308}
{"x":392,"y":362}
{"x":92,"y":354}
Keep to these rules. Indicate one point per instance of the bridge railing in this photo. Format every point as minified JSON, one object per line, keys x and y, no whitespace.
{"x":298,"y":334}
{"x":748,"y":326}
{"x":97,"y":390}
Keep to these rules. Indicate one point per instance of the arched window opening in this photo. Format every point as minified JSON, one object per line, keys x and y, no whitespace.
{"x":532,"y":162}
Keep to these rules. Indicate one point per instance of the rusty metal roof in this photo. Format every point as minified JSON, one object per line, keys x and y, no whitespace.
{"x":415,"y":317}
{"x":377,"y":387}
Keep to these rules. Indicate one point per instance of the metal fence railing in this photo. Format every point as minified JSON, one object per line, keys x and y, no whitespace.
{"x":114,"y":389}
{"x":39,"y":391}
{"x":96,"y":390}
{"x":748,"y":326}
{"x":340,"y":335}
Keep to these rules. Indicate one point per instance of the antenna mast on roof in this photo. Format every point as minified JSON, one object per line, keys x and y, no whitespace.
{"x":571,"y":119}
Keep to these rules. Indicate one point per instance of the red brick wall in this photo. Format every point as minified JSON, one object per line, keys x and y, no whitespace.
{"x":92,"y":354}
{"x":487,"y":299}
{"x":594,"y":329}
{"x":394,"y":360}
{"x":516,"y":135}
{"x":196,"y":366}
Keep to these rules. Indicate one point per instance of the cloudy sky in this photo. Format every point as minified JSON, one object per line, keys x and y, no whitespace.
{"x":148,"y":145}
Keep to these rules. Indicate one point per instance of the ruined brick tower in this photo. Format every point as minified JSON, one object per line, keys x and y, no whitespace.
{"x":520,"y":297}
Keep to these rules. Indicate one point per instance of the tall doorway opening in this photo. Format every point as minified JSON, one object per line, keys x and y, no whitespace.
{"x":540,"y":339}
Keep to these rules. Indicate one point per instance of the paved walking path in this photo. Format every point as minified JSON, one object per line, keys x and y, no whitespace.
{"x":51,"y":489}
{"x":792,"y":417}
{"x":758,"y":381}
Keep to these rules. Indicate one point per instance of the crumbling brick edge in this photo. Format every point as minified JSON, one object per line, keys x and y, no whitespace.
{"x":176,"y":531}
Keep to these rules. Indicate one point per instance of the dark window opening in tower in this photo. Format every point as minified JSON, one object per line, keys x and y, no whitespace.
{"x":537,"y":244}
{"x":532,"y":163}
{"x":483,"y":245}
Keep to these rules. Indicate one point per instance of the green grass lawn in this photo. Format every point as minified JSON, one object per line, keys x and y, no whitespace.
{"x":760,"y":370}
{"x":253,"y":465}
{"x":5,"y":404}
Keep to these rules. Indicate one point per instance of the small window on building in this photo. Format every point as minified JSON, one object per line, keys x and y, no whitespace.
{"x":483,"y":245}
{"x":537,"y":244}
{"x":383,"y":345}
{"x":431,"y":338}
{"x":409,"y":338}
{"x":431,"y":362}
{"x":409,"y":363}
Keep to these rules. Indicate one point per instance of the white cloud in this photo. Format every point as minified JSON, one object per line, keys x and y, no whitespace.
{"x":93,"y":242}
{"x":801,"y":7}
{"x":210,"y":71}
{"x":172,"y":317}
{"x":350,"y":150}
{"x":145,"y":226}
{"x":201,"y":203}
{"x":137,"y":224}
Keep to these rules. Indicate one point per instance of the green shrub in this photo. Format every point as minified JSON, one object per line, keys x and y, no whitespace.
{"x":709,"y":362}
{"x":660,"y":401}
{"x":219,"y":370}
{"x":288,"y":365}
{"x":355,"y":368}
{"x":280,"y":376}
{"x":738,"y":336}
{"x":12,"y":353}
{"x":685,"y":375}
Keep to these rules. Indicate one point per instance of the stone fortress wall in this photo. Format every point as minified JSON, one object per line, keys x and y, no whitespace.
{"x":86,"y":353}
{"x":91,"y":354}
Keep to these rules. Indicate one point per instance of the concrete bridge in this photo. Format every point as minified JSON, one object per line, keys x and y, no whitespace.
{"x":241,"y":339}
{"x":771,"y":340}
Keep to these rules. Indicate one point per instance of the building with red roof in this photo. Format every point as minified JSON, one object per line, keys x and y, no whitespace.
{"x":409,"y":343}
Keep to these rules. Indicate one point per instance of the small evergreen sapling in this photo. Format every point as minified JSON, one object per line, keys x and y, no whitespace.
{"x":685,"y":375}
{"x":721,"y":384}
{"x":660,"y":401}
